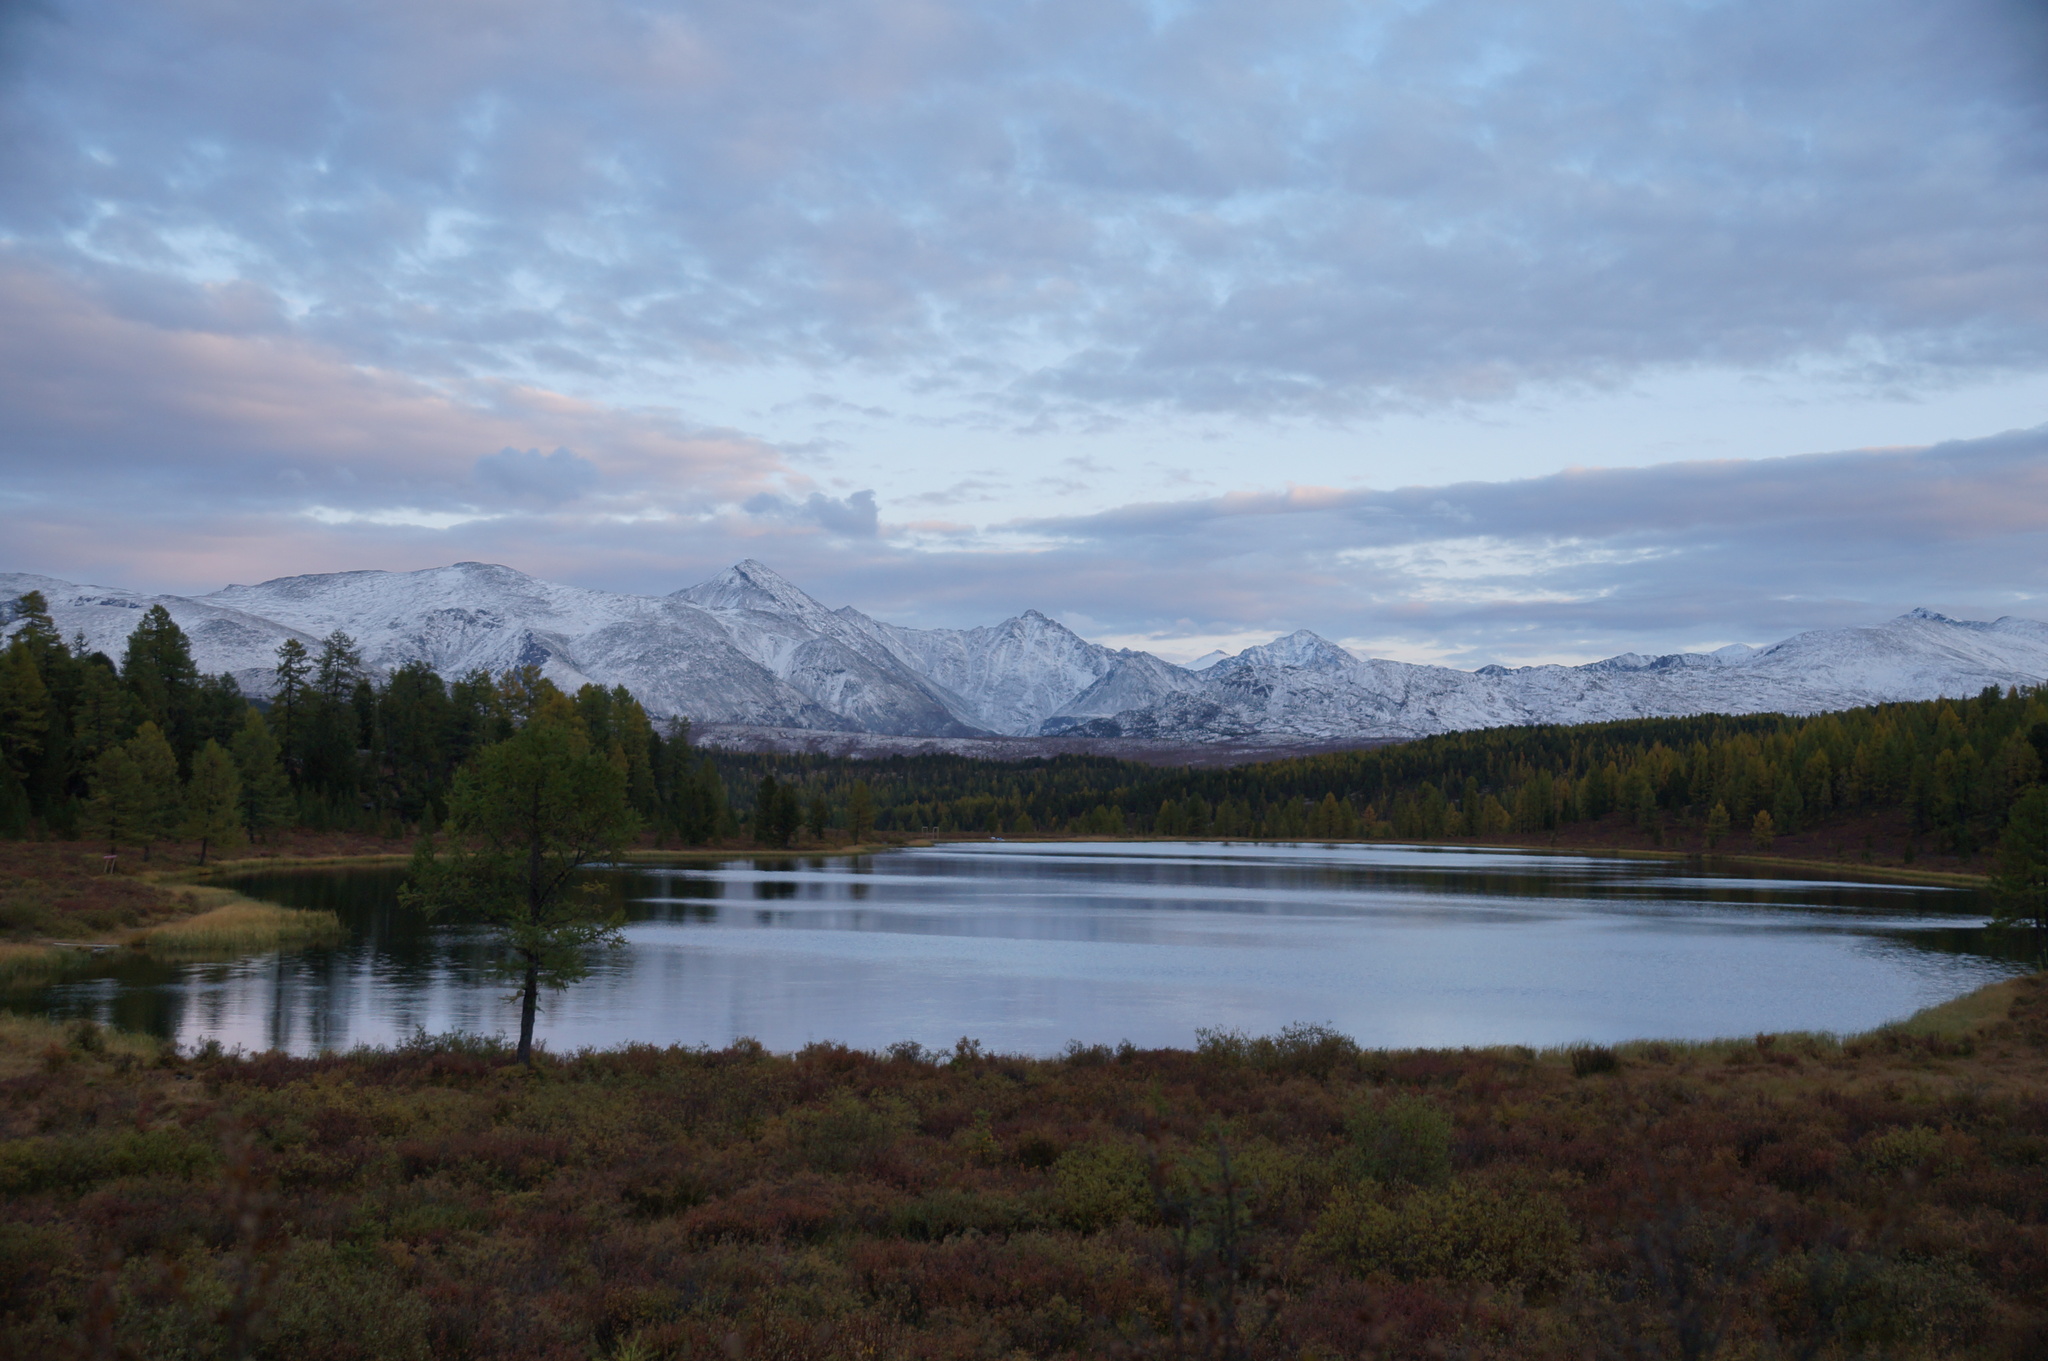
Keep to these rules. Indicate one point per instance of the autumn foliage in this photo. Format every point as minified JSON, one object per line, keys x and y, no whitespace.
{"x":1285,"y":1197}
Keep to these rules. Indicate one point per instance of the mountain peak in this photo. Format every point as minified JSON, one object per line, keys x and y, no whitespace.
{"x":749,"y":585}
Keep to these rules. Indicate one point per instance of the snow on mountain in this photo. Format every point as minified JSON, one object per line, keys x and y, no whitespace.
{"x":748,"y":648}
{"x":226,"y":638}
{"x":842,"y":661}
{"x":1008,"y":678}
{"x":1304,"y":687}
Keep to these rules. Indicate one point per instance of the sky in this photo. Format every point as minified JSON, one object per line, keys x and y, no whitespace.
{"x":1462,"y":332}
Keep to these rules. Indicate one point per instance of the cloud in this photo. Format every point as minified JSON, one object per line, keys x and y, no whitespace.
{"x":854,"y":516}
{"x":1063,"y":212}
{"x":531,"y":476}
{"x":299,"y":288}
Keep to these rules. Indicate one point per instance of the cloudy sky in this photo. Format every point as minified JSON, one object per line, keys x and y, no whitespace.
{"x":1469,"y":331}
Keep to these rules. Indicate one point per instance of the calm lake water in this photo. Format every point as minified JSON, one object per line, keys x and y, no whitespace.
{"x":1026,"y":947}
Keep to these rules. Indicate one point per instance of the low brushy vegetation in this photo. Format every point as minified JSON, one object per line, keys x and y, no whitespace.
{"x":1289,"y":1196}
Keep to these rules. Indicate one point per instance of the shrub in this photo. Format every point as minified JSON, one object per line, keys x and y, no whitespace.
{"x":1405,"y":1141}
{"x":1465,"y":1231}
{"x":847,"y":1132}
{"x":1099,"y":1184}
{"x":1588,"y":1059}
{"x":31,"y":1165}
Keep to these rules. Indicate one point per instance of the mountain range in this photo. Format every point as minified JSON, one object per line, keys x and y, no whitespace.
{"x":749,"y":648}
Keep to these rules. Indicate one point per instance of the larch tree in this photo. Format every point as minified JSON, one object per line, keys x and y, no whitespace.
{"x":213,"y":801}
{"x":523,"y":818}
{"x":860,"y":811}
{"x":156,"y":765}
{"x":265,"y":793}
{"x":118,"y":809}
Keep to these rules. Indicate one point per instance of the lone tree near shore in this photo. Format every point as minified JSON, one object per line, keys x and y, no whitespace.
{"x":524,"y":817}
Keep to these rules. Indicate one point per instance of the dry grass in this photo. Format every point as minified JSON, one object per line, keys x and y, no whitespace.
{"x":235,"y":925}
{"x":20,"y":962}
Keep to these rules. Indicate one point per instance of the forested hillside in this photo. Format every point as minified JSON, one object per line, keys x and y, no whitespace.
{"x":90,"y":746}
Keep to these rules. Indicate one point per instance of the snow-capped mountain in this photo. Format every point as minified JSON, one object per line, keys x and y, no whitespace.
{"x":750,"y":648}
{"x":1311,"y":690}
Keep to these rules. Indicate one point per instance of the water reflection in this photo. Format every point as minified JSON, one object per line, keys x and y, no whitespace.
{"x":1028,"y":946}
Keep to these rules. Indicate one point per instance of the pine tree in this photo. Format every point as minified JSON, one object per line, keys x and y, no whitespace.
{"x":266,"y":793}
{"x":289,"y":697}
{"x":1763,"y":830}
{"x":213,"y":801}
{"x":156,"y":765}
{"x":157,"y":669}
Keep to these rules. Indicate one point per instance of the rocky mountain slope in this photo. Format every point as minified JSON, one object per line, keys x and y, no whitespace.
{"x":748,"y":648}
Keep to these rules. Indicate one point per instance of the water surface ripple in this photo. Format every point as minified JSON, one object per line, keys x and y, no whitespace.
{"x":1026,"y":946}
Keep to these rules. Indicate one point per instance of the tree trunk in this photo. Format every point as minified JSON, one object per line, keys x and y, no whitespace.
{"x":528,"y":1005}
{"x":202,"y":850}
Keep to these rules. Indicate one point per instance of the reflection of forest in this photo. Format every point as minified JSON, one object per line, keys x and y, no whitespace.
{"x":397,"y":972}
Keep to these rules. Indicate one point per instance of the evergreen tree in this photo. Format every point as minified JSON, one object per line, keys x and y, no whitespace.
{"x":120,"y":808}
{"x":338,"y":668}
{"x":288,"y":698}
{"x":1787,"y":807}
{"x":157,"y":669}
{"x":266,"y":794}
{"x":14,"y":806}
{"x":213,"y":801}
{"x":860,"y":811}
{"x":217,"y":709}
{"x":1763,"y":830}
{"x":2022,"y":882}
{"x":414,"y":724}
{"x":24,"y":709}
{"x":817,"y":815}
{"x":162,"y":804}
{"x":777,"y":813}
{"x":1717,"y":825}
{"x":30,"y":624}
{"x":104,"y":714}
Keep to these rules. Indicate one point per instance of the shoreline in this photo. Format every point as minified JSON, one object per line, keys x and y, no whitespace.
{"x":1955,"y":1021}
{"x":1899,"y":874}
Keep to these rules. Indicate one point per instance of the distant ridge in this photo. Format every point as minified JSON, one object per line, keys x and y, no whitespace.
{"x":750,"y":649}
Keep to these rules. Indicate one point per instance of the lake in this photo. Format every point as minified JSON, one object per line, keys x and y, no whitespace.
{"x":1027,"y":946}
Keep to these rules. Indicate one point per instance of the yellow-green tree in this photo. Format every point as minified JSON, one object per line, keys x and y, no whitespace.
{"x":860,"y":811}
{"x":119,"y":805}
{"x":213,"y":801}
{"x":524,"y":817}
{"x":259,"y":767}
{"x":163,"y":802}
{"x":1717,"y":825}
